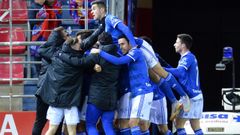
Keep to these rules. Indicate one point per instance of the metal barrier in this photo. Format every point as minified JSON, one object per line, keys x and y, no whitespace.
{"x":113,"y":6}
{"x":27,"y":43}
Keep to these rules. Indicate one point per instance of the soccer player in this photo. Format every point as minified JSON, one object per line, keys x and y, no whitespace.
{"x":112,"y":24}
{"x":188,"y":75}
{"x":168,"y":82}
{"x":141,"y":90}
{"x":102,"y":96}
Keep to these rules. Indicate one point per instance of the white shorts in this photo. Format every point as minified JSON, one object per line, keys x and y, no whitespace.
{"x":55,"y":115}
{"x":158,"y":114}
{"x":195,"y":110}
{"x":149,"y":54}
{"x":84,"y":109}
{"x":141,"y":106}
{"x":124,"y":106}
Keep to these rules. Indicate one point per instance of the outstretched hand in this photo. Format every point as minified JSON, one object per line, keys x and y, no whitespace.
{"x":97,"y":68}
{"x":95,"y":51}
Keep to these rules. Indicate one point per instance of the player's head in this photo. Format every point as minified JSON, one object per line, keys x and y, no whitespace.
{"x":80,"y":36}
{"x":98,"y":9}
{"x":83,"y":34}
{"x":147,"y":39}
{"x":183,"y":43}
{"x":105,"y":38}
{"x":124,"y":44}
{"x":57,"y":36}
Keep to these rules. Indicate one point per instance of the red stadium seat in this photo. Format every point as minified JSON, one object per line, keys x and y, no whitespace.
{"x":17,"y":35}
{"x":18,"y":16}
{"x":18,"y":70}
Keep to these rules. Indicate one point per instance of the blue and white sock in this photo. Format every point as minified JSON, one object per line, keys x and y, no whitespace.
{"x":181,"y":131}
{"x":135,"y":130}
{"x":168,"y":133}
{"x":145,"y":132}
{"x":81,"y":133}
{"x":125,"y":131}
{"x":198,"y":132}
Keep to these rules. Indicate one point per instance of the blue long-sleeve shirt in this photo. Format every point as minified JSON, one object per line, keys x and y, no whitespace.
{"x":116,"y":27}
{"x":138,"y":71}
{"x":187,"y":74}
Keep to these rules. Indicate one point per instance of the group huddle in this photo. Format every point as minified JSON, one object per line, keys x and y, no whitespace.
{"x":107,"y":75}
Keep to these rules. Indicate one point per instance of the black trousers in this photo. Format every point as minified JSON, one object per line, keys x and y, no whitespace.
{"x":40,"y":121}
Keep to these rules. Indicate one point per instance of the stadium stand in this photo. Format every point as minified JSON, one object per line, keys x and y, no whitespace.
{"x":19,"y":14}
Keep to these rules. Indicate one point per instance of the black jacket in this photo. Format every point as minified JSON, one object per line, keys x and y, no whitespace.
{"x":53,"y":44}
{"x":104,"y":85}
{"x":63,"y":82}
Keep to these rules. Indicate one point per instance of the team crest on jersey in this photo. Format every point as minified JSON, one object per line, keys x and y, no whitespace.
{"x":183,"y":61}
{"x":115,"y":20}
{"x":131,"y":52}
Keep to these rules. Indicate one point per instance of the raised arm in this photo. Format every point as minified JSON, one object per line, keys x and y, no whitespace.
{"x":126,"y":31}
{"x":115,"y":60}
{"x":177,"y":72}
{"x":91,"y":40}
{"x":88,"y":61}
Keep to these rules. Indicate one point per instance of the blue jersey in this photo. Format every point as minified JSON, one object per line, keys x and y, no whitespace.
{"x":110,"y":27}
{"x":138,"y":71}
{"x":115,"y":27}
{"x":191,"y":79}
{"x":188,"y":74}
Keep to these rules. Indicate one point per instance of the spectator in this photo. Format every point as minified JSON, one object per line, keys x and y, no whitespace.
{"x":42,"y":26}
{"x":79,"y":13}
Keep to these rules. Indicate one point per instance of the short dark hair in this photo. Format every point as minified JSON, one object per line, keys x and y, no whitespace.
{"x":84,"y":33}
{"x":123,"y":36}
{"x":98,"y":2}
{"x":186,"y":39}
{"x":105,"y":38}
{"x":147,"y":39}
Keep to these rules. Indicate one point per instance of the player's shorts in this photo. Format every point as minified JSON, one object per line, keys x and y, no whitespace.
{"x":196,"y":109}
{"x":124,"y":106}
{"x":55,"y":115}
{"x":158,"y":114}
{"x":141,"y":106}
{"x":84,"y":110}
{"x":149,"y":54}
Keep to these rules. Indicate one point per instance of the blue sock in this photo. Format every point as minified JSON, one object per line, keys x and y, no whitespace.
{"x":168,"y":133}
{"x":164,"y":86}
{"x":81,"y":133}
{"x":135,"y":130}
{"x":198,"y":132}
{"x":145,"y":132}
{"x":173,"y":83}
{"x":181,"y":131}
{"x":125,"y":131}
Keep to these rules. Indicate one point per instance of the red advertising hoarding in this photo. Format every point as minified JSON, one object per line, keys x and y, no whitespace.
{"x":17,"y":123}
